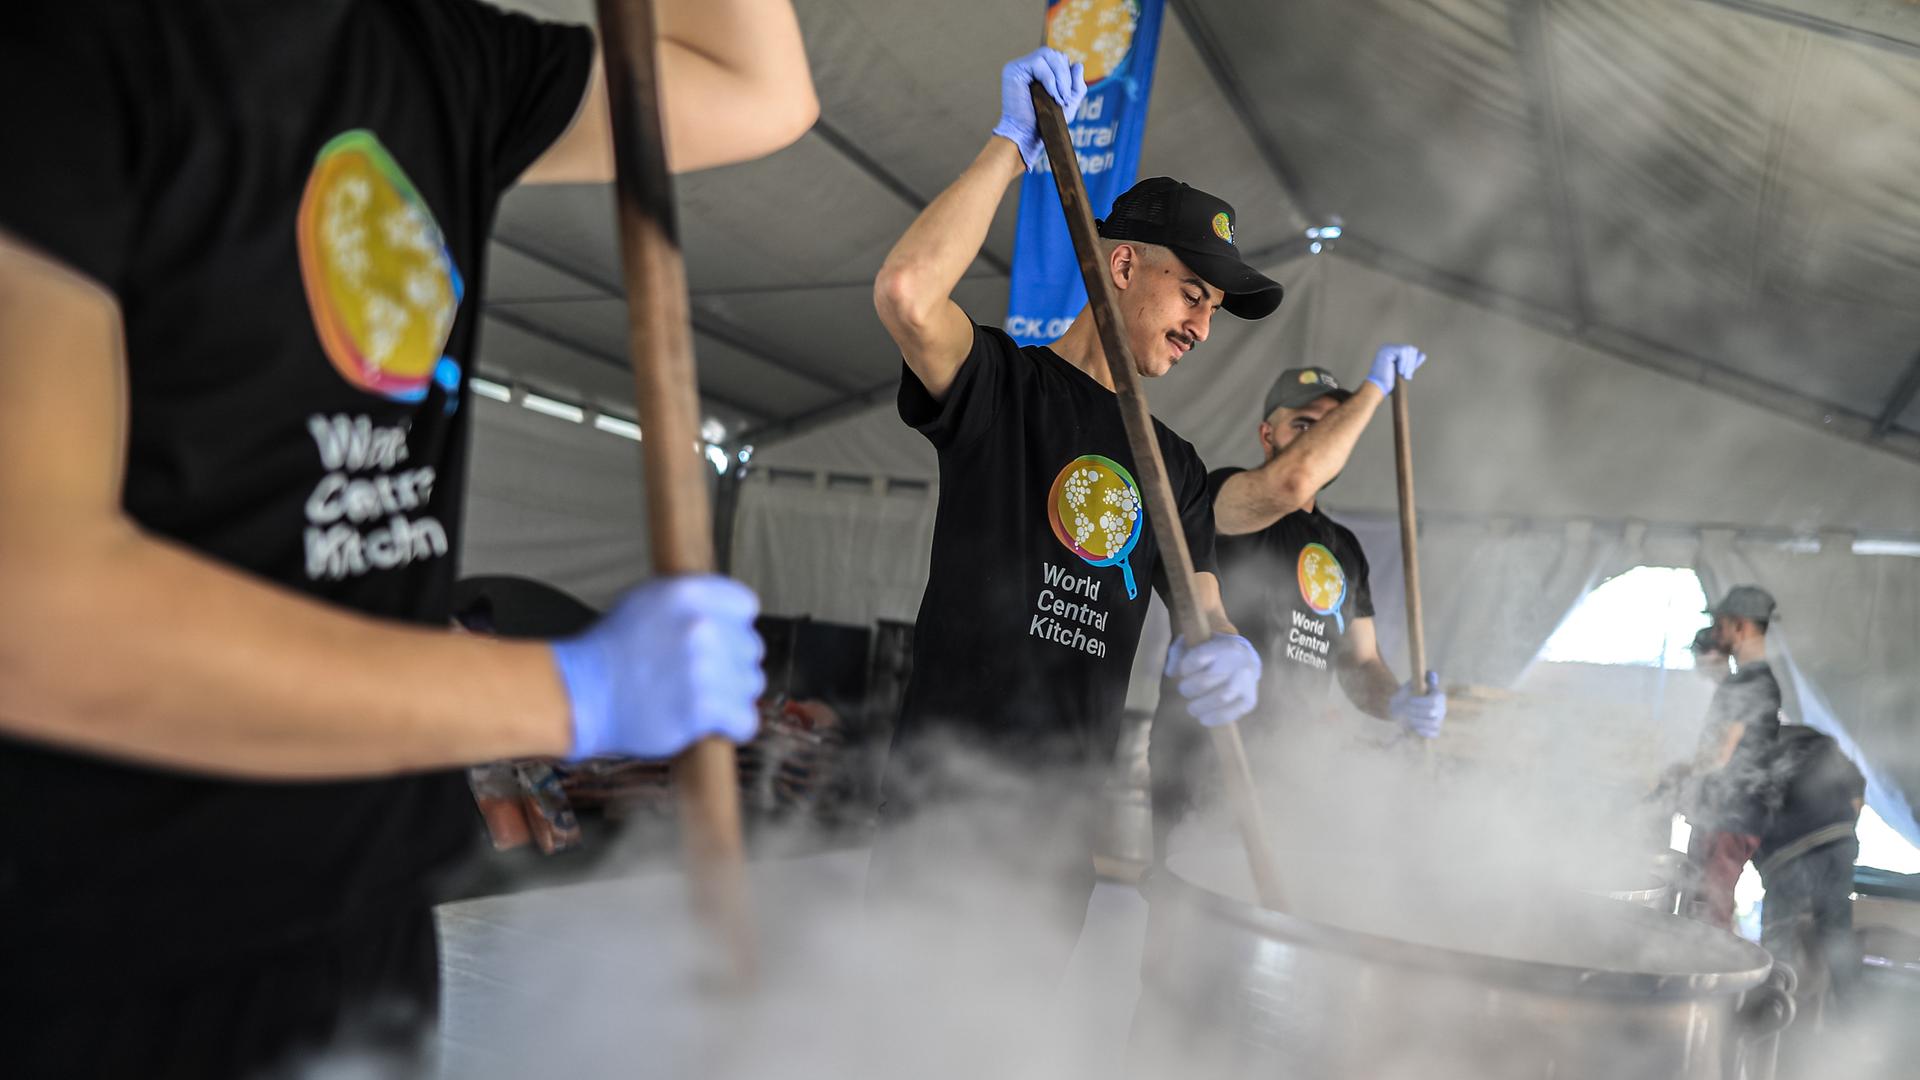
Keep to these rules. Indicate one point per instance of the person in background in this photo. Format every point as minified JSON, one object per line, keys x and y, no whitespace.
{"x":1725,"y":786}
{"x":1296,"y":582}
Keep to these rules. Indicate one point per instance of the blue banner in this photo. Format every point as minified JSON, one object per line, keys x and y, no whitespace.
{"x":1117,"y":40}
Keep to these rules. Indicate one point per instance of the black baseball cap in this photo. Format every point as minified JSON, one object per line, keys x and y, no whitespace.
{"x":1746,"y":602}
{"x":1200,"y":229}
{"x":1296,"y":388}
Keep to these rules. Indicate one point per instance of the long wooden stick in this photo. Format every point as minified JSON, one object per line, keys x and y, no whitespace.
{"x":1409,"y":531}
{"x":1163,"y":511}
{"x":1410,"y":546}
{"x":679,"y":517}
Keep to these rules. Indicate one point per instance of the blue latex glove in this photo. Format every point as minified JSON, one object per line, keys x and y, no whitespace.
{"x":1394,"y":362}
{"x":1422,"y":712}
{"x":1064,"y":80}
{"x":1219,"y":678}
{"x":675,"y":661}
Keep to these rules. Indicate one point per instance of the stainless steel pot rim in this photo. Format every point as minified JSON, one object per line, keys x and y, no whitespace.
{"x":1161,"y":882}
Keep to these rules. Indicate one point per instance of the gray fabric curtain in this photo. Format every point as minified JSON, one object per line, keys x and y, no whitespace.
{"x":1845,"y":646}
{"x":554,"y":501}
{"x":1493,"y":592}
{"x":836,"y":552}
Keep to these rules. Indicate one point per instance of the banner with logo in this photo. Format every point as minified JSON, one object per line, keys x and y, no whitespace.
{"x":1117,"y":40}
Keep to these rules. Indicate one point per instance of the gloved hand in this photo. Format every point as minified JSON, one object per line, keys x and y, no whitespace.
{"x":1394,"y":362}
{"x":675,"y":661}
{"x":1064,"y":80}
{"x":1421,"y":712}
{"x":1219,"y":678}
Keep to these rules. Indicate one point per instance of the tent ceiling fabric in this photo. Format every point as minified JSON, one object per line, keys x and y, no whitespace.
{"x":1690,"y":175}
{"x":784,"y":250}
{"x":1727,"y":199}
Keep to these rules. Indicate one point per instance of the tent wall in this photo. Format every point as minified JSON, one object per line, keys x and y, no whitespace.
{"x":851,"y":553}
{"x":1508,"y":420}
{"x":555,"y":501}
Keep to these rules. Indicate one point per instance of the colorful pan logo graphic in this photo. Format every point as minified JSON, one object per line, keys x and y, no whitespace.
{"x":1098,"y":33}
{"x":1095,"y":511}
{"x":1323,"y":583}
{"x":380,"y":282}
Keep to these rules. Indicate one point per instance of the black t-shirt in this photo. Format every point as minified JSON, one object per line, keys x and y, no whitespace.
{"x":291,"y":203}
{"x":1811,"y":784}
{"x":1294,"y":589}
{"x":1042,"y":558}
{"x":1734,"y":799}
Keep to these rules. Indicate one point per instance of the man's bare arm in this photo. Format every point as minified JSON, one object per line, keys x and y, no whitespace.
{"x":1252,"y":500}
{"x":734,"y":83}
{"x":1364,"y":676}
{"x":913,"y":293}
{"x":117,"y":643}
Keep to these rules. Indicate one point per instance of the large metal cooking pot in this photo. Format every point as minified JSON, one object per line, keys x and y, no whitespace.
{"x":1560,"y":987}
{"x":1659,"y":889}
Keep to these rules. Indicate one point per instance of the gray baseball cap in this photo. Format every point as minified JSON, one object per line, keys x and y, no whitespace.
{"x":1296,"y":388}
{"x":1746,"y":602}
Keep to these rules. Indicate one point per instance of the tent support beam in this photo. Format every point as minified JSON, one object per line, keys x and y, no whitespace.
{"x":1194,"y":19}
{"x":718,"y":329}
{"x":592,"y":352}
{"x":1529,"y":23}
{"x":1815,"y":24}
{"x":886,"y":178}
{"x":795,"y":426}
{"x":1823,"y":416}
{"x":1903,"y":394}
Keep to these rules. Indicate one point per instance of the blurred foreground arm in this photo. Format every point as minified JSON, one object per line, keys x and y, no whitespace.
{"x":734,"y":86}
{"x":122,"y":644}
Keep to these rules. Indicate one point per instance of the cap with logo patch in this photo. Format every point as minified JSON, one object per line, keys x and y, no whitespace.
{"x":1296,"y":388}
{"x":1200,"y":229}
{"x":1746,"y":602}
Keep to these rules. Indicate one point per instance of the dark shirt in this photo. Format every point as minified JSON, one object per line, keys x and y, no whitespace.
{"x":291,"y":203}
{"x":1735,"y":798}
{"x":1294,"y":590}
{"x":1811,"y":784}
{"x":1042,"y":555}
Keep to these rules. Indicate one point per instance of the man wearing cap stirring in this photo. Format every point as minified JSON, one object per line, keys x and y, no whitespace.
{"x":1296,"y":580}
{"x":1726,"y":800}
{"x":1041,"y":548}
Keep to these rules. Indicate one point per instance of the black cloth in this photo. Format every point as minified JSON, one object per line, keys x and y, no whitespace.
{"x":1041,"y":558}
{"x":291,"y":203}
{"x":368,"y":992}
{"x":1735,"y":797}
{"x":1810,"y":784}
{"x":1294,"y":589}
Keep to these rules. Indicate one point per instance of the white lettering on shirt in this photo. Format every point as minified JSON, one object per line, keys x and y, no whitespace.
{"x":361,"y":524}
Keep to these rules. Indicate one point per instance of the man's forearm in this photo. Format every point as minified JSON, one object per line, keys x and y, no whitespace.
{"x":1252,"y":500}
{"x":933,"y":255}
{"x":125,"y":646}
{"x":1370,"y":685}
